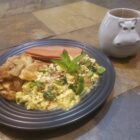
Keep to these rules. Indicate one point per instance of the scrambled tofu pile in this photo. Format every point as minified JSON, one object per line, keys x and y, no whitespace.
{"x":38,"y":85}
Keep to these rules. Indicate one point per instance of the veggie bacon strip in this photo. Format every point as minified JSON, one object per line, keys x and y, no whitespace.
{"x":51,"y":52}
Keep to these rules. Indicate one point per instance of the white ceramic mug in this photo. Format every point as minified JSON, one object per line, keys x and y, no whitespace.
{"x":119,"y":33}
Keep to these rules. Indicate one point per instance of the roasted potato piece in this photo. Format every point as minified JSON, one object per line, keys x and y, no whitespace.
{"x":14,"y":65}
{"x":8,"y":94}
{"x":20,"y":63}
{"x":9,"y":88}
{"x":1,"y":86}
{"x":13,"y":73}
{"x":29,"y":72}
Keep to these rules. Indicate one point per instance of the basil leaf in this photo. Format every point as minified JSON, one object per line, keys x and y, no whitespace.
{"x":60,"y":63}
{"x":79,"y":57}
{"x":65,"y":57}
{"x":70,"y":66}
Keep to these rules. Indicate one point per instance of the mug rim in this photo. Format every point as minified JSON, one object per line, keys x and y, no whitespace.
{"x":127,"y":9}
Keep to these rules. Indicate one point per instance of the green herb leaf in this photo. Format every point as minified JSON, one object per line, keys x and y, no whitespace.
{"x":39,"y":84}
{"x":70,"y":66}
{"x":65,"y":57}
{"x":61,"y":81}
{"x":100,"y":70}
{"x":79,"y":57}
{"x":80,"y":85}
{"x":60,"y":63}
{"x":49,"y":95}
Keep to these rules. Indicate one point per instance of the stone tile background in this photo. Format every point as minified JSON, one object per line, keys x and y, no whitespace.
{"x":134,"y":4}
{"x":71,"y":17}
{"x":12,"y":7}
{"x":16,"y":29}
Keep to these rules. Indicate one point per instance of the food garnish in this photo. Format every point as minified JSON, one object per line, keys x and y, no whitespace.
{"x":69,"y":65}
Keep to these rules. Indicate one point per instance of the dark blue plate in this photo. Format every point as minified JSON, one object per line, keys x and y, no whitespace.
{"x":16,"y":116}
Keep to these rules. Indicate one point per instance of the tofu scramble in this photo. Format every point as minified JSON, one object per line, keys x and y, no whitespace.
{"x":59,"y":84}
